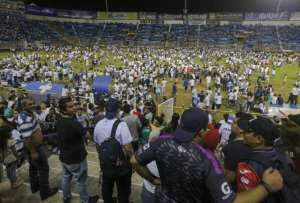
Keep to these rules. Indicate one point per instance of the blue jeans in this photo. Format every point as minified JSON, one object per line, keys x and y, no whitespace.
{"x":79,"y":172}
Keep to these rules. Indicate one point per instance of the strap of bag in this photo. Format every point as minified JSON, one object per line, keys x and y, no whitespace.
{"x":114,"y":128}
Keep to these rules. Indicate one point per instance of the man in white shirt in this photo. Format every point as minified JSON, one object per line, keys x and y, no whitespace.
{"x":192,"y":83}
{"x":218,"y":100}
{"x":225,"y":130}
{"x":102,"y":133}
{"x":295,"y":92}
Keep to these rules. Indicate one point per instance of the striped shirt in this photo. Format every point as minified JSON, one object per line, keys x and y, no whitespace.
{"x":27,"y":124}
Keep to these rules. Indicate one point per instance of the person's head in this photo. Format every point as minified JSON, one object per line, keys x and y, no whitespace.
{"x":67,"y":106}
{"x":260,"y":132}
{"x":28,"y":104}
{"x":238,"y":125}
{"x":52,"y":110}
{"x":126,"y":108}
{"x":193,"y":121}
{"x":174,"y":121}
{"x":111,"y":108}
{"x":4,"y":132}
{"x":43,"y":106}
{"x":158,"y":120}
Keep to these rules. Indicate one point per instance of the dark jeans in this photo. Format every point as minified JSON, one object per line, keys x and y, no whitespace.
{"x":39,"y":172}
{"x":135,"y":145}
{"x":123,"y":186}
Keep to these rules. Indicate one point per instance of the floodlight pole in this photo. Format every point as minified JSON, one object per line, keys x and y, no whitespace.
{"x":106,"y":6}
{"x":185,"y":11}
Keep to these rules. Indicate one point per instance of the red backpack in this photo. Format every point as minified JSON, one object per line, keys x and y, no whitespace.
{"x":246,"y":177}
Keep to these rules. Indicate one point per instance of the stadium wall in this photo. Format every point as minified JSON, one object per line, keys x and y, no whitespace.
{"x":77,"y":20}
{"x":271,"y":23}
{"x":173,"y":22}
{"x":295,"y":16}
{"x":294,"y":20}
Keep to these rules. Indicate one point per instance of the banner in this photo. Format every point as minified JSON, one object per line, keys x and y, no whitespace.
{"x":267,"y":16}
{"x":170,"y":17}
{"x":166,"y":108}
{"x":197,"y":17}
{"x":147,"y":16}
{"x":117,"y":15}
{"x":77,"y":14}
{"x":37,"y":10}
{"x":226,"y":16}
{"x":11,"y":5}
{"x":101,"y":84}
{"x":39,"y":90}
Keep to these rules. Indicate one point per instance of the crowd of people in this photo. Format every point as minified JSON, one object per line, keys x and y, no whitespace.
{"x":192,"y":158}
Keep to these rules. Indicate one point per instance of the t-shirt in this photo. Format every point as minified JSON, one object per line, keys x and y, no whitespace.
{"x":225,"y":131}
{"x":27,"y":124}
{"x":70,"y":135}
{"x":218,"y":99}
{"x":188,"y":172}
{"x":134,"y":125}
{"x":103,"y":129}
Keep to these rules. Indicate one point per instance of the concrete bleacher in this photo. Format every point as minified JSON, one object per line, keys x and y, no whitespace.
{"x":14,"y":26}
{"x":23,"y":194}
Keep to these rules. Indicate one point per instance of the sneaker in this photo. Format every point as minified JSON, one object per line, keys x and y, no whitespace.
{"x":93,"y":199}
{"x":51,"y":192}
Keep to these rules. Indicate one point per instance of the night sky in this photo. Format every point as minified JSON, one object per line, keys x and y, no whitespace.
{"x":173,"y":6}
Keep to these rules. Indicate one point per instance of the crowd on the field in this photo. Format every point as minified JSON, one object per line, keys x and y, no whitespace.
{"x":177,"y":159}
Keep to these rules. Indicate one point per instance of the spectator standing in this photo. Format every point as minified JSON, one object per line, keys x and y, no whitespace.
{"x":106,"y":130}
{"x":179,"y":156}
{"x":134,"y":125}
{"x":73,"y":154}
{"x":30,"y":130}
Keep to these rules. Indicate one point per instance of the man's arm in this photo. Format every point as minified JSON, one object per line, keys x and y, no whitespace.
{"x":271,"y":178}
{"x":230,"y":175}
{"x":144,"y":172}
{"x":128,"y":149}
{"x":30,"y":146}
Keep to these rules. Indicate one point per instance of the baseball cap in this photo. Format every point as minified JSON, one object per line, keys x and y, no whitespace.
{"x":192,"y":121}
{"x":231,"y":118}
{"x":261,"y":126}
{"x":111,"y":107}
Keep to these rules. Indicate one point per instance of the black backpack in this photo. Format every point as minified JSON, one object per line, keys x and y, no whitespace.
{"x":113,"y":161}
{"x":291,"y":190}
